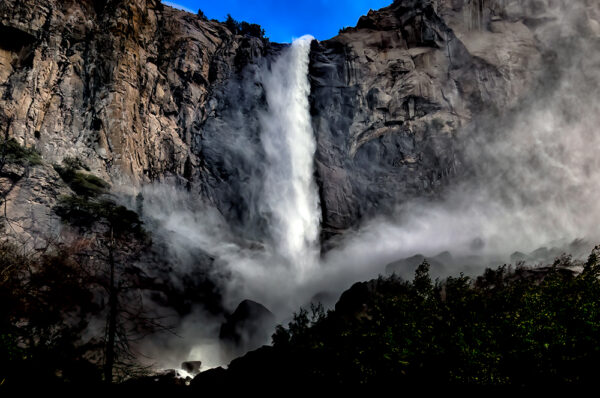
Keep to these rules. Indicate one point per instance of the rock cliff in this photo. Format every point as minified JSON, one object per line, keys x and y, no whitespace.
{"x":120,"y":84}
{"x":392,"y":98}
{"x":142,"y":92}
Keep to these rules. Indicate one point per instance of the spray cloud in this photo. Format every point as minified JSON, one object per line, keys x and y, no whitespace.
{"x":533,"y":181}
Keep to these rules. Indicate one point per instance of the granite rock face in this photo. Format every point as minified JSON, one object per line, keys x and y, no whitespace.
{"x":121,"y":84}
{"x":392,"y":97}
{"x":142,"y":92}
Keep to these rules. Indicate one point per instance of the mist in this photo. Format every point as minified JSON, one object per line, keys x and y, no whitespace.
{"x":531,"y":180}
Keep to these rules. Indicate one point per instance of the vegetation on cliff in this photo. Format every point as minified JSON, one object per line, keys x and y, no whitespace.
{"x":244,"y":28}
{"x":13,"y":153}
{"x":15,"y":163}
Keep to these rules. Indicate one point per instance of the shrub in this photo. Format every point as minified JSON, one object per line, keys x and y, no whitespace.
{"x":46,"y":301}
{"x":82,"y":183}
{"x":75,"y":163}
{"x":82,"y":212}
{"x":12,"y":152}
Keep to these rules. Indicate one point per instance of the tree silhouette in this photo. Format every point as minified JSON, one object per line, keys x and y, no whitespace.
{"x":115,"y":240}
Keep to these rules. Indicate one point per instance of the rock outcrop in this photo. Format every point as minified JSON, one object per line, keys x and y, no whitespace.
{"x":247,"y":328}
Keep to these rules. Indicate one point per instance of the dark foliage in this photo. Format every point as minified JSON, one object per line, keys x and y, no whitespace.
{"x":81,"y":212}
{"x":513,"y":327}
{"x":12,"y":152}
{"x":81,"y":182}
{"x":92,"y":206}
{"x":75,"y":163}
{"x":244,"y":28}
{"x":517,"y":327}
{"x":44,"y":311}
{"x":117,"y":238}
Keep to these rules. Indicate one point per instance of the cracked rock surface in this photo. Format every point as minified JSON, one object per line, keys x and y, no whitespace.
{"x":142,"y":92}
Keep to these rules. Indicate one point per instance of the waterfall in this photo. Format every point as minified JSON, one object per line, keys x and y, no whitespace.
{"x":281,"y":188}
{"x":289,"y":199}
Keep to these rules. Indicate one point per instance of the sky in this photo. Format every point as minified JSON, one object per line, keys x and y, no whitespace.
{"x":285,"y":20}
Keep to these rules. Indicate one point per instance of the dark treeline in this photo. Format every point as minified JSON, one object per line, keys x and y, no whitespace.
{"x":244,"y":28}
{"x":510,"y":326}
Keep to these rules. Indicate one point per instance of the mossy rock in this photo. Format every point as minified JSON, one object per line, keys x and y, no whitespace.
{"x":82,"y":183}
{"x":15,"y":153}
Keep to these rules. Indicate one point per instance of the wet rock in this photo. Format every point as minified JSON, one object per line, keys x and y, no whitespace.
{"x":248,"y":327}
{"x":165,"y":379}
{"x":211,"y":379}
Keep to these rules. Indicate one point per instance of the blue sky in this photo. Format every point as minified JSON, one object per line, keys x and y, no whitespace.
{"x":284,"y":20}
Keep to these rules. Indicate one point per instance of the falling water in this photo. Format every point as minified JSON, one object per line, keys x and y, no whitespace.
{"x":536,"y":184}
{"x":290,"y":199}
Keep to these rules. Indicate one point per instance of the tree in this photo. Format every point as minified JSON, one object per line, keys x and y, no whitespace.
{"x":115,"y":240}
{"x":244,"y":28}
{"x":232,"y":24}
{"x":46,"y":304}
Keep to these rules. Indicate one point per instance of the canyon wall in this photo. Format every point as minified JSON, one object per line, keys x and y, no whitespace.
{"x":141,"y":93}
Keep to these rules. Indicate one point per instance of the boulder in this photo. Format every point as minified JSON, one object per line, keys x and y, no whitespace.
{"x":248,"y":327}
